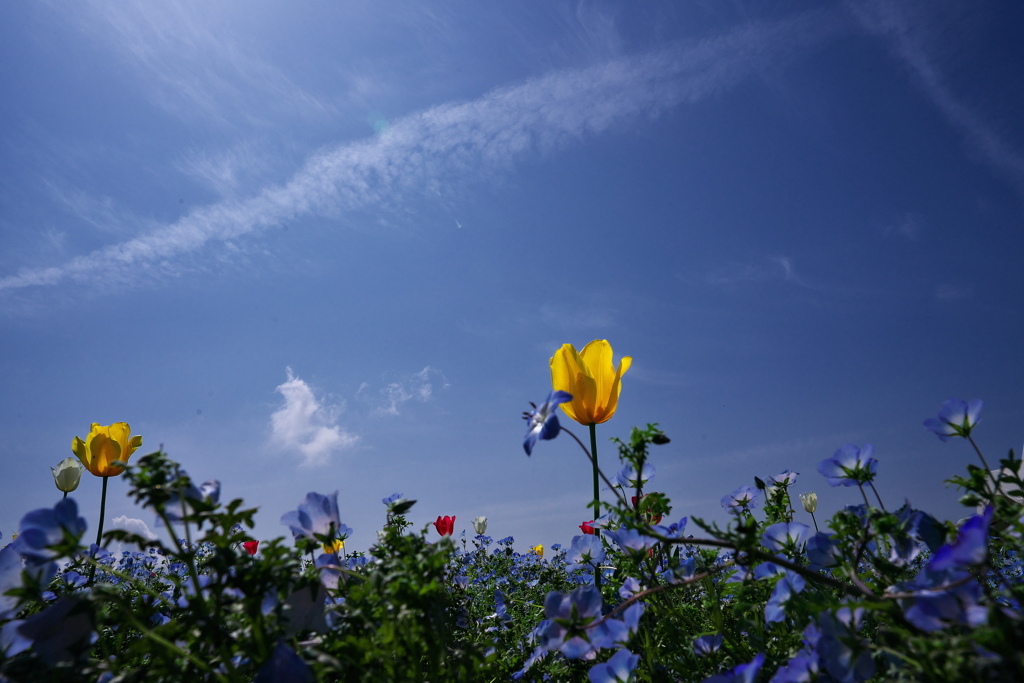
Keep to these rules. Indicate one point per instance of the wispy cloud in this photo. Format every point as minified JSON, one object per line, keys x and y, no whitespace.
{"x":771,"y":268}
{"x":462,"y":141}
{"x":419,"y":386}
{"x":305,"y":426}
{"x":189,"y":63}
{"x":948,"y":292}
{"x":905,"y":26}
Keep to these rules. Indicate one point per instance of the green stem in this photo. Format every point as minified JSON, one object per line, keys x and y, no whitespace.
{"x":597,"y":490}
{"x":103,"y":509}
{"x":593,"y":461}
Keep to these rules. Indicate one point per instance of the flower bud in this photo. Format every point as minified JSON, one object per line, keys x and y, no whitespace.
{"x":809,"y":501}
{"x":480,"y":525}
{"x":67,"y":474}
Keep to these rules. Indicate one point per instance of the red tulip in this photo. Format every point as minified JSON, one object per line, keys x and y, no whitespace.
{"x":587,"y":528}
{"x":251,"y":546}
{"x":445,"y":525}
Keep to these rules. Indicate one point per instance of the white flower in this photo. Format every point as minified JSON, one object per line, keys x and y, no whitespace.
{"x":480,"y":525}
{"x":809,"y":501}
{"x":67,"y":474}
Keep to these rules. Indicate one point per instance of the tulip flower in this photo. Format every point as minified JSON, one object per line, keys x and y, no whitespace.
{"x":591,"y":378}
{"x":810,"y":503}
{"x":594,"y":383}
{"x":587,"y":528}
{"x":67,"y":474}
{"x":101,"y":448}
{"x":538,"y":549}
{"x":251,"y":547}
{"x":480,"y":525}
{"x":445,"y":525}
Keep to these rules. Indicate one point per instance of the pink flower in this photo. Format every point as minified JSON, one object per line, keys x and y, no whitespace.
{"x":587,"y":528}
{"x":251,"y":546}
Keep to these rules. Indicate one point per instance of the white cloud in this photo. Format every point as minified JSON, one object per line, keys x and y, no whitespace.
{"x":773,"y":268}
{"x":133,"y":525}
{"x":416,"y":387}
{"x":303,"y":425}
{"x":906,"y":26}
{"x":948,"y":292}
{"x":462,"y":140}
{"x":189,"y":62}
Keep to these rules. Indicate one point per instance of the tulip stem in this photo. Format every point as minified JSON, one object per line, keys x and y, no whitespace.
{"x":597,"y":491}
{"x":593,"y":461}
{"x":65,"y":494}
{"x":103,"y":509}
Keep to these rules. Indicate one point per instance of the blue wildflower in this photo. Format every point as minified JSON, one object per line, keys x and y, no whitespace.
{"x":744,"y":673}
{"x":786,"y":478}
{"x":41,"y":529}
{"x":284,"y":666}
{"x":61,"y":630}
{"x":392,"y":498}
{"x":317,"y":519}
{"x":956,"y":418}
{"x":970,"y":547}
{"x":618,"y":669}
{"x":785,"y":536}
{"x":742,"y":499}
{"x":941,"y":599}
{"x":179,"y":505}
{"x":586,"y":552}
{"x":542,"y":422}
{"x":629,"y":478}
{"x":849,"y":466}
{"x":841,"y":651}
{"x":706,"y":645}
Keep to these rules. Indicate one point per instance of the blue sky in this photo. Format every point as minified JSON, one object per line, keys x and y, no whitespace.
{"x":319,"y":246}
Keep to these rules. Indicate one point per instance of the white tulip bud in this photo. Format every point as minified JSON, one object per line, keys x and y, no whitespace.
{"x":480,"y":525}
{"x":809,"y":501}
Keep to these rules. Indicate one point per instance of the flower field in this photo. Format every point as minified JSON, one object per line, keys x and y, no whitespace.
{"x":881,"y":591}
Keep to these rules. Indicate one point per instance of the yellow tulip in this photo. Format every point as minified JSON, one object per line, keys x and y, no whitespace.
{"x":539,"y":549}
{"x":336,"y":547}
{"x":591,"y":378}
{"x":104,"y":445}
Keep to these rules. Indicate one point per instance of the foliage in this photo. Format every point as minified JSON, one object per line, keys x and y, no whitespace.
{"x":875,"y":594}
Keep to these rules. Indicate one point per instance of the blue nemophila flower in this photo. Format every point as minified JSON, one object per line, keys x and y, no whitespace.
{"x":970,"y":547}
{"x":956,"y":418}
{"x":179,"y":504}
{"x":803,"y":668}
{"x":785,"y":536}
{"x":284,"y":666}
{"x":574,"y":626}
{"x":842,"y":652}
{"x":542,"y":422}
{"x":631,"y":540}
{"x":786,"y":478}
{"x":61,"y":630}
{"x":788,"y":586}
{"x":10,"y":577}
{"x":850,"y":466}
{"x":586,"y":552}
{"x":629,"y":478}
{"x":46,"y":527}
{"x":744,"y":673}
{"x":742,"y":499}
{"x":706,"y":645}
{"x":317,"y":516}
{"x":392,"y":498}
{"x":618,"y":669}
{"x":941,"y":599}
